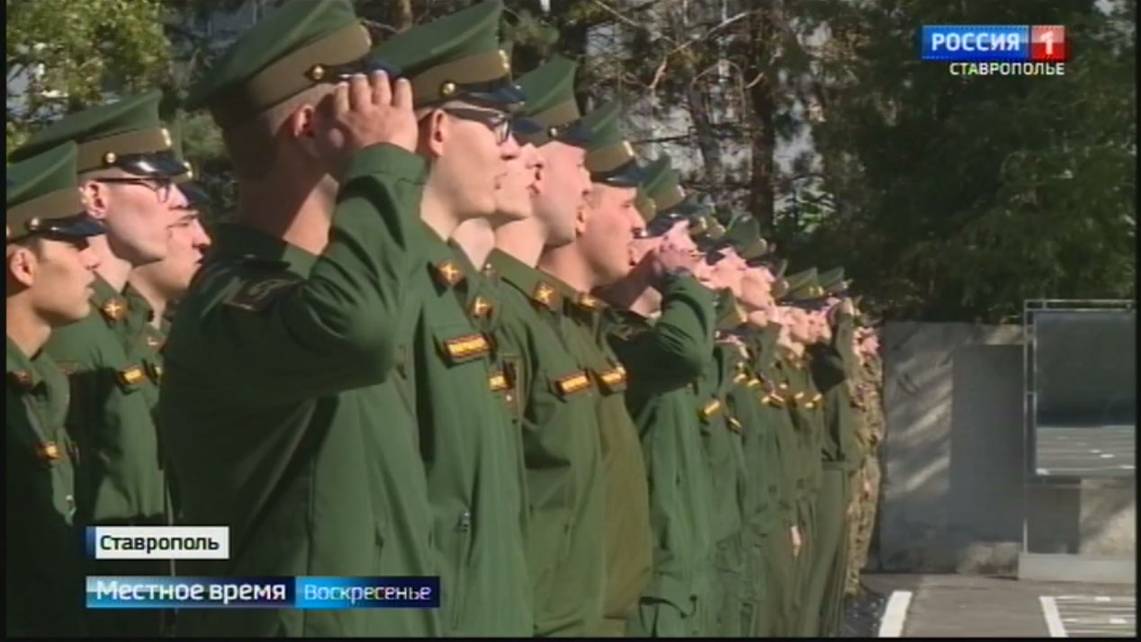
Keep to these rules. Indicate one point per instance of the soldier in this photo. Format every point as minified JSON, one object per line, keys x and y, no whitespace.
{"x":557,"y":394}
{"x":731,"y":600}
{"x":663,"y":338}
{"x":272,"y":401}
{"x":869,"y":404}
{"x":833,"y":363}
{"x":463,"y":99}
{"x":50,"y":279}
{"x":794,"y":385}
{"x":783,"y":559}
{"x":126,"y":170}
{"x":154,"y":288}
{"x":759,"y":447}
{"x":563,"y":138}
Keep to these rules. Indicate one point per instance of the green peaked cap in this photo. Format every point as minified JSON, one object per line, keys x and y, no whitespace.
{"x":832,"y":281}
{"x":43,"y":196}
{"x":297,"y":46}
{"x":744,"y":234}
{"x":803,"y":289}
{"x":784,"y":288}
{"x":659,"y":207}
{"x":126,"y":134}
{"x":609,"y":156}
{"x":551,"y":104}
{"x":196,"y":197}
{"x":457,"y":57}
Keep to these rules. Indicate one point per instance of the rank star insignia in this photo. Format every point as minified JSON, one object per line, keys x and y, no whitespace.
{"x":544,"y":294}
{"x":49,"y":451}
{"x":587,"y":301}
{"x":449,"y":273}
{"x":114,"y":310}
{"x":481,"y":307}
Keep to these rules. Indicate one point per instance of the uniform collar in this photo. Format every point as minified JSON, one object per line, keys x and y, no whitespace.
{"x":112,"y":306}
{"x":139,"y":309}
{"x":21,"y":369}
{"x":538,"y":286}
{"x":241,"y":242}
{"x":448,"y":265}
{"x":576,"y":303}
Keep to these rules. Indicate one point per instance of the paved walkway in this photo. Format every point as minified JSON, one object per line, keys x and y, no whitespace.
{"x":972,"y":606}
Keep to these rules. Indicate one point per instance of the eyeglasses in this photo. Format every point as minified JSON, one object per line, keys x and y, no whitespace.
{"x":161,"y":187}
{"x":498,"y":122}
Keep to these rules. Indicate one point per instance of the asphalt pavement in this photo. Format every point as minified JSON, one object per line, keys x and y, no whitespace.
{"x":988,"y":607}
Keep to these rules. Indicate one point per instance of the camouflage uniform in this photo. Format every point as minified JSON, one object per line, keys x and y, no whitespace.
{"x":869,"y":397}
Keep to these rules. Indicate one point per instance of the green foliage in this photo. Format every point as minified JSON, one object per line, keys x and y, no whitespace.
{"x":945,"y":198}
{"x":64,"y":55}
{"x":970,"y":194}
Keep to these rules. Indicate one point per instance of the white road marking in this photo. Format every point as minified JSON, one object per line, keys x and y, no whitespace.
{"x":1107,"y":456}
{"x":891,"y":626}
{"x":1053,"y":620}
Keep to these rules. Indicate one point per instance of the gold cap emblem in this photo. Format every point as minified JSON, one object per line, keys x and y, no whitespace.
{"x":315,"y":73}
{"x":447,"y":89}
{"x":109,"y":158}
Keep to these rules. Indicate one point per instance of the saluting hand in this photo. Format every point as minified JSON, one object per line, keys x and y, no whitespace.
{"x":362,"y":112}
{"x":676,"y":251}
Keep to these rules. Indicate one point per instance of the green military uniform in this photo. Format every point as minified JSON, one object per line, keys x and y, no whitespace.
{"x":869,"y":404}
{"x":275,"y":404}
{"x":44,"y":565}
{"x":468,"y":442}
{"x":722,"y":437}
{"x":626,"y":527}
{"x":561,"y":451}
{"x":663,"y":360}
{"x":834,"y":367}
{"x":780,"y":598}
{"x":817,"y":502}
{"x":628,"y":537}
{"x":759,"y":452}
{"x":119,"y":477}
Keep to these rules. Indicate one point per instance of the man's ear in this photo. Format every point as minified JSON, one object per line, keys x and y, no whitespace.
{"x":434,"y":133}
{"x":582,"y":218}
{"x":299,"y":124}
{"x":96,"y":198}
{"x":22,"y":265}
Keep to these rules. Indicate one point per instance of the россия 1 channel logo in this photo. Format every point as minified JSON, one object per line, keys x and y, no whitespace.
{"x":997,"y":50}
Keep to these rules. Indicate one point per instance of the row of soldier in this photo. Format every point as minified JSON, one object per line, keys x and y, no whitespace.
{"x":627,"y":420}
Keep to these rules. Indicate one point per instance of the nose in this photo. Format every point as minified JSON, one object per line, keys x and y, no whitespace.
{"x":509,"y":149}
{"x":532,"y":159}
{"x":201,"y":238}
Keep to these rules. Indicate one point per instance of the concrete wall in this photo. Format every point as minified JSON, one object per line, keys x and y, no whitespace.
{"x":953,"y":494}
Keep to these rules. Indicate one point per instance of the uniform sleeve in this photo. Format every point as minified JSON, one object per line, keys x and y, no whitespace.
{"x":338,"y":328}
{"x":678,"y":346}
